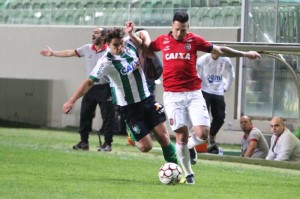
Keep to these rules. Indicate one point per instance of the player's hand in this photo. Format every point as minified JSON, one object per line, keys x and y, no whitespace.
{"x":48,"y":52}
{"x":67,"y":107}
{"x":252,"y":55}
{"x":129,"y":25}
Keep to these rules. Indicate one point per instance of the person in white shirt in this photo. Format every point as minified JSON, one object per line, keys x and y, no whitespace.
{"x":211,"y":69}
{"x":285,"y":146}
{"x":100,"y":94}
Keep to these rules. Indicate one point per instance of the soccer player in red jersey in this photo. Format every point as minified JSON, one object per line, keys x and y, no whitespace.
{"x":184,"y":103}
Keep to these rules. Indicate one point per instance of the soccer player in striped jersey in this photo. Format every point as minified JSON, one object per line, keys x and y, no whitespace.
{"x":139,"y":108}
{"x":183,"y":100}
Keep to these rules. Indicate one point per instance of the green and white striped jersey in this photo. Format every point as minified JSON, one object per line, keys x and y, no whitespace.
{"x":126,"y":75}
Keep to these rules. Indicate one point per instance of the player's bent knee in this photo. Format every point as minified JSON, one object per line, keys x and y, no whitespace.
{"x":145,"y":149}
{"x":204,"y":137}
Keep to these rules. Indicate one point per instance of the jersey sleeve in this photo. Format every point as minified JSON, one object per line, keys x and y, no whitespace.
{"x":155,"y":44}
{"x":80,"y":51}
{"x":202,"y":44}
{"x":100,"y":70}
{"x":254,"y":135}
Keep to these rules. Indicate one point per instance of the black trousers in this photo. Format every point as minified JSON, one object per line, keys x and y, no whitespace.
{"x":216,"y":105}
{"x":97,"y":95}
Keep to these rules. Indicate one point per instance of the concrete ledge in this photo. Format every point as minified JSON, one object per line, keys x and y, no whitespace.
{"x":252,"y":161}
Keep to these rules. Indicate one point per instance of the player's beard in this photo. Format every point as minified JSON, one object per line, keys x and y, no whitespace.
{"x":97,"y":41}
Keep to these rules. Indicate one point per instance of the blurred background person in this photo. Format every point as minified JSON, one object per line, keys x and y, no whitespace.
{"x":211,"y":70}
{"x":253,"y":143}
{"x":285,"y":146}
{"x":100,"y":94}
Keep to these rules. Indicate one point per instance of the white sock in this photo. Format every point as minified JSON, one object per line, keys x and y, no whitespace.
{"x":183,"y":155}
{"x":194,"y":141}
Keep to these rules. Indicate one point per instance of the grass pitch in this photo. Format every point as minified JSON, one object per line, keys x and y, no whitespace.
{"x":41,"y":164}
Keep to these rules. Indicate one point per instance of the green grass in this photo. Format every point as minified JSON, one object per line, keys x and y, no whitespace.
{"x":41,"y":164}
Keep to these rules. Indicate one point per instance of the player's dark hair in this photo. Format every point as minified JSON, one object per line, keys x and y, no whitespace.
{"x":181,"y":17}
{"x":114,"y":33}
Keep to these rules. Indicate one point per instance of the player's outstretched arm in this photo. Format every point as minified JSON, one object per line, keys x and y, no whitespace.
{"x":230,"y":52}
{"x":82,"y":90}
{"x":48,"y":52}
{"x":141,"y":39}
{"x":129,"y":26}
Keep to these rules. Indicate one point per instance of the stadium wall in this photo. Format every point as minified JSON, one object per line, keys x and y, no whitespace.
{"x":33,"y":88}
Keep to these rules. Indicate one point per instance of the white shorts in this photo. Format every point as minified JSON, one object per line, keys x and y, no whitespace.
{"x":186,"y":109}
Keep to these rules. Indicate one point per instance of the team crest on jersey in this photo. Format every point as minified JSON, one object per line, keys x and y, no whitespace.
{"x":129,"y":68}
{"x":187,"y":46}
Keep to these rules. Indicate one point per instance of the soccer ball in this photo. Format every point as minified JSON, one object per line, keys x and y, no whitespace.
{"x":169,"y":173}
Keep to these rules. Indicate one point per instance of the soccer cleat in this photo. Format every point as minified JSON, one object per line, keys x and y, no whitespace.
{"x":105,"y":147}
{"x":81,"y":146}
{"x":190,"y":179}
{"x":213,"y":149}
{"x":193,"y":156}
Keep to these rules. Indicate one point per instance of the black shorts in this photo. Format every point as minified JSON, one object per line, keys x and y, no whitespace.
{"x":142,"y":117}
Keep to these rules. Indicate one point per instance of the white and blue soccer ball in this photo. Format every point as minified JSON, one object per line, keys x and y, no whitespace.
{"x":170,"y":174}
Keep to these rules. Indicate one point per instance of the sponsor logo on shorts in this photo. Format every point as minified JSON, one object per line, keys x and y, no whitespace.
{"x":136,"y":129}
{"x":109,"y":99}
{"x":159,"y":108}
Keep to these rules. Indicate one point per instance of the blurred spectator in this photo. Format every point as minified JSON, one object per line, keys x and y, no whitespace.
{"x":253,"y":143}
{"x":100,"y":94}
{"x":285,"y":146}
{"x":212,"y":70}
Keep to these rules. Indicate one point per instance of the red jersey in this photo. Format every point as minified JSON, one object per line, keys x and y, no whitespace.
{"x":179,"y":60}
